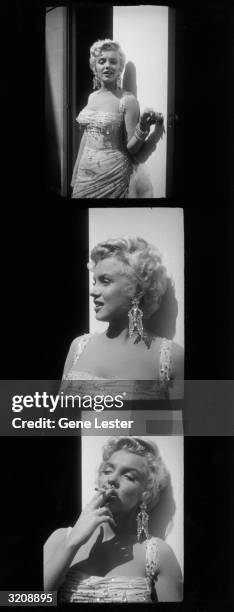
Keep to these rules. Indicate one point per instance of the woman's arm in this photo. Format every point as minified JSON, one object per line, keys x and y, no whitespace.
{"x":135,"y":124}
{"x":169,"y":583}
{"x":58,"y":555}
{"x":132,"y":116}
{"x":62,"y":546}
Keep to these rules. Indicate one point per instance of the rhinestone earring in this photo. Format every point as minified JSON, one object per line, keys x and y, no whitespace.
{"x":135,"y":316}
{"x":142,"y":522}
{"x":119,"y":84}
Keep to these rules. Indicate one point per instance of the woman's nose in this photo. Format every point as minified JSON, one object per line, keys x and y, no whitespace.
{"x":112,"y":480}
{"x":94,"y":291}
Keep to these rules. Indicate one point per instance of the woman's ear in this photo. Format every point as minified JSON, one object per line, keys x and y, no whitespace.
{"x":145,"y":497}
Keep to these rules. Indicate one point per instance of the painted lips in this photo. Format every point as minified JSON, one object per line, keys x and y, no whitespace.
{"x":97,"y":305}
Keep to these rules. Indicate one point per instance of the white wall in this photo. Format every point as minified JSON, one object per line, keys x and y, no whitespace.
{"x":162,"y":227}
{"x":171,"y":450}
{"x":142,"y":32}
{"x":56,"y":92}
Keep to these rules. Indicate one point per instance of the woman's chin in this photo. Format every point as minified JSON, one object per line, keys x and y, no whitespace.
{"x":100,"y":317}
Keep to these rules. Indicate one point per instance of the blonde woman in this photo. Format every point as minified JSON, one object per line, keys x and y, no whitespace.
{"x":129,"y":282}
{"x":113,"y":130}
{"x":109,"y":554}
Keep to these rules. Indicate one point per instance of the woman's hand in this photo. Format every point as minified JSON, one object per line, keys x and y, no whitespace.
{"x":150,"y":117}
{"x":61,"y":548}
{"x":93,"y":515}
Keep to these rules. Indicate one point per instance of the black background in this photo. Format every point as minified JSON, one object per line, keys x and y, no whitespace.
{"x":45,"y":244}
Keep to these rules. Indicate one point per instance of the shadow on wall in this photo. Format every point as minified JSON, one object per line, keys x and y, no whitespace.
{"x":140,"y":184}
{"x":161,"y":517}
{"x":130,"y":84}
{"x":163,"y":321}
{"x":129,"y":78}
{"x":53,"y":170}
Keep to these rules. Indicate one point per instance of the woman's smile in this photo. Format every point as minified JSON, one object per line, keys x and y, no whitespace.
{"x":108,"y":66}
{"x":97,"y":305}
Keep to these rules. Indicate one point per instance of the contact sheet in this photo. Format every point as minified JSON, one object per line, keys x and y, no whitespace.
{"x":116,"y":391}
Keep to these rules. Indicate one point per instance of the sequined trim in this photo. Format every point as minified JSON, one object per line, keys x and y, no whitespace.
{"x":82,"y":342}
{"x":165,"y":360}
{"x":97,"y":589}
{"x":122,"y":107}
{"x":152,"y":559}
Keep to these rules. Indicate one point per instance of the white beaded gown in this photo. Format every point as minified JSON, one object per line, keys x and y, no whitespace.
{"x":105,"y":166}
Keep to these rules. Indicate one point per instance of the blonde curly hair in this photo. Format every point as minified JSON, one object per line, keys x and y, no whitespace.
{"x":142,"y":263}
{"x":105,"y":45}
{"x":157,"y":476}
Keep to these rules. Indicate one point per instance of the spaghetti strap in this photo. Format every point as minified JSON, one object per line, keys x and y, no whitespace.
{"x":122,"y":106}
{"x":82,"y":342}
{"x":151,"y":563}
{"x":165,"y":360}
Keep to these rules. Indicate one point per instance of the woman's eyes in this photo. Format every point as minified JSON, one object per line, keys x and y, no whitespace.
{"x":130,"y":477}
{"x":103,"y":281}
{"x":102,"y":61}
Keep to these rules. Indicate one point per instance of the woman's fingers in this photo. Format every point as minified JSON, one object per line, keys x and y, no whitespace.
{"x":151,"y":116}
{"x":105,"y":513}
{"x":96,"y":501}
{"x":106,"y":518}
{"x":104,"y":510}
{"x":159,"y":118}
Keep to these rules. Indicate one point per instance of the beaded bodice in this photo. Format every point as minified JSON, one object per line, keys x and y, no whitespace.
{"x":104,"y":590}
{"x":105,"y":130}
{"x":107,"y":589}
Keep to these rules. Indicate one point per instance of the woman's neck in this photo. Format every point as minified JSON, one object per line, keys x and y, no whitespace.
{"x":124,"y":528}
{"x":109,"y":87}
{"x":118,"y":328}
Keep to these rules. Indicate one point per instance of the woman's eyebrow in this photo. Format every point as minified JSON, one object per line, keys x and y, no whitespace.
{"x":125,"y":468}
{"x":105,"y":275}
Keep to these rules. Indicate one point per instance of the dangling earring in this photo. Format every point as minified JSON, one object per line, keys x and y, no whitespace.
{"x":135,"y":316}
{"x":96,"y":83}
{"x":142,"y":522}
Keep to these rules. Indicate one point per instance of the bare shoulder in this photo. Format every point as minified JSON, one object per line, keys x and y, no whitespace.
{"x":54,"y":540}
{"x":74,"y":345}
{"x":79,"y":340}
{"x":93,"y":95}
{"x":92,"y":98}
{"x":130,"y":100}
{"x":125,"y":92}
{"x":77,"y":345}
{"x":166,"y":559}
